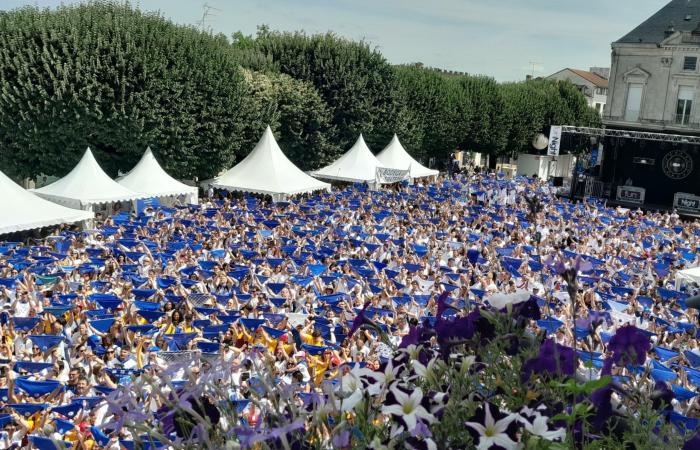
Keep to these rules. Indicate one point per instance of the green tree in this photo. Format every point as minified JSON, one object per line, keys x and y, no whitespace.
{"x":295,"y":110}
{"x":439,"y":108}
{"x":488,"y":125}
{"x":116,"y":79}
{"x":354,"y":80}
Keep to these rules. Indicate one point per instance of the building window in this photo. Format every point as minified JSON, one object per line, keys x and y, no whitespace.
{"x":634,"y":102}
{"x":690,"y":63}
{"x":601,"y":91}
{"x":598,"y":106}
{"x":685,"y":104}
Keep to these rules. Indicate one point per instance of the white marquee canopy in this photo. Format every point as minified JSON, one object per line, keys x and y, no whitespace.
{"x":266,"y":170}
{"x":357,"y":165}
{"x":395,"y":156}
{"x":148,"y":177}
{"x":87,"y":185}
{"x":22,"y":210}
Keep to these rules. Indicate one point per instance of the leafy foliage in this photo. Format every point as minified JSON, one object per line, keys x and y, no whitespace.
{"x":296,"y":110}
{"x":118,"y":80}
{"x":353,"y":79}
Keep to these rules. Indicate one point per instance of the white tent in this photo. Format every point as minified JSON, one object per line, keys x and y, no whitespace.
{"x":22,"y":210}
{"x":691,"y":275}
{"x":357,"y":165}
{"x":395,"y":156}
{"x":150,"y":178}
{"x":266,"y":170}
{"x":87,"y":185}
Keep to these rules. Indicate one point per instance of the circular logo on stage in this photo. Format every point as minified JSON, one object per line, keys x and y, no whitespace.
{"x":677,"y":164}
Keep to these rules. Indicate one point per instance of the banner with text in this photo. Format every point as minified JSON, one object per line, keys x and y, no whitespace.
{"x":554,"y":141}
{"x":386,"y":176}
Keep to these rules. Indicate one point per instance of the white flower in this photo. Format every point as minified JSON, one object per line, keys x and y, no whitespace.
{"x":538,"y":426}
{"x":493,"y":432}
{"x":409,"y":408}
{"x":423,"y":371}
{"x":382,"y":379}
{"x":348,"y":392}
{"x":500,"y":301}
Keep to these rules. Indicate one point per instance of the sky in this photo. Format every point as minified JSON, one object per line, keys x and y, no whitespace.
{"x":505,"y":39}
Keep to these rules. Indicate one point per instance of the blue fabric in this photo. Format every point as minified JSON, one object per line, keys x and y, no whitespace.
{"x":37,"y":388}
{"x":274,"y":333}
{"x":100,"y":438}
{"x":27,"y":409}
{"x":251,"y":324}
{"x":664,"y":353}
{"x":42,"y":443}
{"x":315,"y":350}
{"x":25,"y":323}
{"x":45,"y":341}
{"x":102,"y":325}
{"x":69,"y":410}
{"x":682,"y":393}
{"x":31,"y":366}
{"x":63,"y":426}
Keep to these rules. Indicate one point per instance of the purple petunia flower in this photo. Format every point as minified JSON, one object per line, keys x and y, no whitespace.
{"x":629,"y":346}
{"x":601,"y":400}
{"x":693,"y":443}
{"x":554,"y":359}
{"x":442,"y":305}
{"x":360,"y":319}
{"x":463,"y":328}
{"x":528,"y":309}
{"x":411,"y":338}
{"x":662,"y":396}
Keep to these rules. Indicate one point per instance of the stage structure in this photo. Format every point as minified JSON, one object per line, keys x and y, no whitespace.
{"x":638,"y":168}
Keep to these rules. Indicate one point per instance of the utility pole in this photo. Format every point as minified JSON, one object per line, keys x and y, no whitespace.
{"x":206,"y":15}
{"x":533,"y":65}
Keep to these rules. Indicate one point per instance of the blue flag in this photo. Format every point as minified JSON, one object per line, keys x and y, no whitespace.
{"x":46,"y":341}
{"x":42,"y":443}
{"x":251,"y":324}
{"x":101,"y":438}
{"x":102,"y":325}
{"x":37,"y":388}
{"x":31,"y":366}
{"x":27,"y":409}
{"x":25,"y":323}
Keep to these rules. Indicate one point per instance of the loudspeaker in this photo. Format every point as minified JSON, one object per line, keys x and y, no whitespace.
{"x":693,"y":302}
{"x":557,"y":181}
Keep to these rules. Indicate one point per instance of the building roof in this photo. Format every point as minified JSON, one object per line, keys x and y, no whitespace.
{"x":591,"y":77}
{"x":684,"y":15}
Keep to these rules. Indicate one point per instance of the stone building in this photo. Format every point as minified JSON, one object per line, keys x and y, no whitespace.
{"x":655,"y":73}
{"x":593,"y":84}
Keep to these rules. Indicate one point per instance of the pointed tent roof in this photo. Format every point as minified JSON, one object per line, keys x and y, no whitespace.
{"x":87,"y":184}
{"x":22,"y":210}
{"x":357,"y":164}
{"x":395,"y":156}
{"x":266,"y":170}
{"x":150,"y":178}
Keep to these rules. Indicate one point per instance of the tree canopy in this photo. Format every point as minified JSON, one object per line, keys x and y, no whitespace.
{"x":117,"y":79}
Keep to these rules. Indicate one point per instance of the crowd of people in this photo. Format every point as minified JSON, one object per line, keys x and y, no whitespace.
{"x":275,"y":287}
